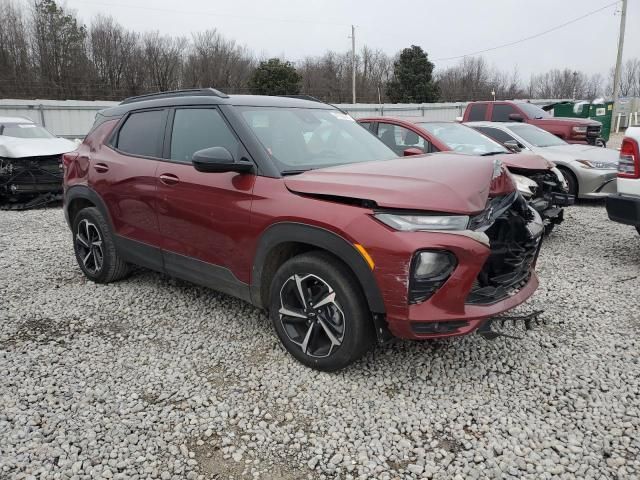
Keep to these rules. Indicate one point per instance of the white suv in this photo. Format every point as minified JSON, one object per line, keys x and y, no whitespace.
{"x":624,"y":206}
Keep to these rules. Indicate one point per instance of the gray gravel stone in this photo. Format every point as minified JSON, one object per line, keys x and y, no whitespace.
{"x":152,"y":377}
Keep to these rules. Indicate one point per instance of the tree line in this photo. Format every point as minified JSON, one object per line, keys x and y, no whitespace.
{"x":46,"y":52}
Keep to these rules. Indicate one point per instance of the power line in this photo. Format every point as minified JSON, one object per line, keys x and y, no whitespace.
{"x":553,"y":29}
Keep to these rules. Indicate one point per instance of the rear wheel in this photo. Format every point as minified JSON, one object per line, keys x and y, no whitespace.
{"x":319,"y":313}
{"x":94,"y":248}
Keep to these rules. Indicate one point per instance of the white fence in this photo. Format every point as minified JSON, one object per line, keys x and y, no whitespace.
{"x":64,"y":118}
{"x":73,"y":118}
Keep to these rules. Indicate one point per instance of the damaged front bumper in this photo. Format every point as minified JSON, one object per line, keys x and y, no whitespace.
{"x":30,"y":182}
{"x":492,"y":276}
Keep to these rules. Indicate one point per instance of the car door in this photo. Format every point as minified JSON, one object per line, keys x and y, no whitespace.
{"x":123,"y":173}
{"x":203,"y":216}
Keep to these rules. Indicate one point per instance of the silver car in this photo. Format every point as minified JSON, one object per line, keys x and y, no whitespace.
{"x":590,"y":171}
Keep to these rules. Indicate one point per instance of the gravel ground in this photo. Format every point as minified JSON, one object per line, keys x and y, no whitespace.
{"x":155,"y":378}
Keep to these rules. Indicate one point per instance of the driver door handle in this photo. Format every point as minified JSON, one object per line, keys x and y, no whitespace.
{"x":101,"y":168}
{"x":169,"y":179}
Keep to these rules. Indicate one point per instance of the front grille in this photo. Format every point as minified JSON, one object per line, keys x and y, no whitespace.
{"x":593,"y":131}
{"x":510,"y":264}
{"x":31,"y":175}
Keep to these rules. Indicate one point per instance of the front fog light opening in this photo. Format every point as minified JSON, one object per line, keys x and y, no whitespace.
{"x":430,"y":269}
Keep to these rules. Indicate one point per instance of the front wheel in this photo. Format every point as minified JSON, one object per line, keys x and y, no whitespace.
{"x":319,"y":312}
{"x":572,"y":182}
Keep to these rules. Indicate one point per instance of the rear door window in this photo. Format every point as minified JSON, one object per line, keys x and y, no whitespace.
{"x":142,"y":133}
{"x":501,"y":112}
{"x":398,"y":138}
{"x":199,"y":128}
{"x":498,"y":135}
{"x":477,"y":112}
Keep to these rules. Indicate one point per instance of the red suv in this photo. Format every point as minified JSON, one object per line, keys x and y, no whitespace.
{"x":289,"y":204}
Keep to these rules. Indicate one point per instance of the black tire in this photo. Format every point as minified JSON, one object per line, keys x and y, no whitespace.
{"x":601,"y":143}
{"x":95,"y":249}
{"x":572,"y":182}
{"x":638,"y":229}
{"x":346,"y":317}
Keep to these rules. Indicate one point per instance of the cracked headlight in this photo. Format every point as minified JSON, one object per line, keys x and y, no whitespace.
{"x":417,"y":223}
{"x":526,"y":186}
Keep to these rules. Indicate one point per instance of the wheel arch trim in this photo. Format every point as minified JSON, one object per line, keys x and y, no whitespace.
{"x":287,"y":232}
{"x":83,"y":192}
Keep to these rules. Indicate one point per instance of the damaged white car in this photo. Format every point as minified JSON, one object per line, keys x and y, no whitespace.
{"x":30,"y":164}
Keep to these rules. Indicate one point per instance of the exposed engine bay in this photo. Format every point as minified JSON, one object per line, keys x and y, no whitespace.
{"x":30,"y":182}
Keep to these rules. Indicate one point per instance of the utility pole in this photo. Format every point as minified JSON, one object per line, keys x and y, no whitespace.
{"x":616,"y":76}
{"x":353,"y":63}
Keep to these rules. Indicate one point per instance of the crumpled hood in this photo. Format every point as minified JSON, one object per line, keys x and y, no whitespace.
{"x":524,"y":161}
{"x":11,"y":147}
{"x":441,"y":183}
{"x":576,"y":151}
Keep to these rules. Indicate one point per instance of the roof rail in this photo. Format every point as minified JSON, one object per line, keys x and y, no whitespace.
{"x":189,"y":92}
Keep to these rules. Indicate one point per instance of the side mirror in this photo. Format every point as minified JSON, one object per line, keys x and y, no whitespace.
{"x":516,"y":117}
{"x":512,"y":145}
{"x":408,"y":152}
{"x":218,"y":160}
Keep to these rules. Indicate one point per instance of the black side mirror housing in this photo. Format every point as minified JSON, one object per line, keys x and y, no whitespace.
{"x":219,"y":160}
{"x":512,"y":145}
{"x":516,"y":117}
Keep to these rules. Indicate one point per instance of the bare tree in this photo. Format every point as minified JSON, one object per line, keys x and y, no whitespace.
{"x":15,"y":56}
{"x":112,"y":51}
{"x":213,"y":61}
{"x":163,"y":59}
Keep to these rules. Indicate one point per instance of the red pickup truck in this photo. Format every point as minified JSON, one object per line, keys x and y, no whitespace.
{"x":571,"y":130}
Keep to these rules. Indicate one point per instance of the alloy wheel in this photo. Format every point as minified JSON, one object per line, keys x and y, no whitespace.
{"x":89,"y":246}
{"x":310,"y":315}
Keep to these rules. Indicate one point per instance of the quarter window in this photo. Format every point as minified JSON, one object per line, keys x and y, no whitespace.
{"x":199,"y":128}
{"x":142,"y":133}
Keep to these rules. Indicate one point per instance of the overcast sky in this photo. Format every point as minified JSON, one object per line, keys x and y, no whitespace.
{"x":444,"y":28}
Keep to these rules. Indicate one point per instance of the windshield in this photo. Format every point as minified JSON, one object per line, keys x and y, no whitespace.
{"x":533,"y":111}
{"x":463,"y":139}
{"x":536,"y":136}
{"x":299,"y":139}
{"x":24,"y":130}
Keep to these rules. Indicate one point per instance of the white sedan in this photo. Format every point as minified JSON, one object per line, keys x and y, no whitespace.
{"x":590,"y":171}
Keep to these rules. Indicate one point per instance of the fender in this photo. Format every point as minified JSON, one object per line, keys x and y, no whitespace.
{"x":83,"y":192}
{"x":321,"y":238}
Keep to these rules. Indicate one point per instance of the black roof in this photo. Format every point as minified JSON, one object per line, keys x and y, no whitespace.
{"x":210,"y":96}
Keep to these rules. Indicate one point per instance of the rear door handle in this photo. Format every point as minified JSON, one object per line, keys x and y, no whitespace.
{"x":169,"y":179}
{"x":101,"y":168}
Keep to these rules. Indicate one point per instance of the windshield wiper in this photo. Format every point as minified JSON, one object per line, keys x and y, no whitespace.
{"x":285,"y":173}
{"x":488,"y":154}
